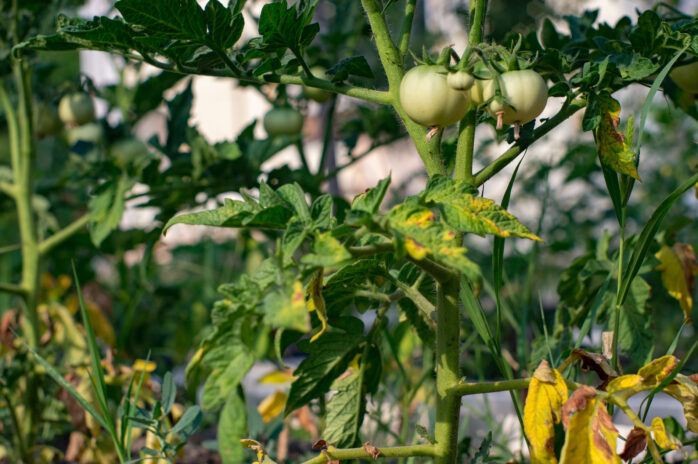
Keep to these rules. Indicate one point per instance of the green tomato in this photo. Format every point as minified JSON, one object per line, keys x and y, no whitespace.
{"x":427,"y":98}
{"x":283,"y":120}
{"x":686,"y":77}
{"x":313,"y":93}
{"x":481,"y":91}
{"x":526,"y":92}
{"x":127,"y":150}
{"x":460,"y":80}
{"x":47,"y":121}
{"x":90,"y":132}
{"x":76,"y":109}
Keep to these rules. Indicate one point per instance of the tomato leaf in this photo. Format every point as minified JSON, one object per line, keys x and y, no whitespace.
{"x":330,"y":356}
{"x":231,"y":428}
{"x":352,"y":66}
{"x":685,"y":390}
{"x":614,"y":147}
{"x":679,"y":269}
{"x":228,"y":364}
{"x":591,"y":435}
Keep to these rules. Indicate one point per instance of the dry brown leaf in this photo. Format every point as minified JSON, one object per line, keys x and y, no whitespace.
{"x":635,"y":443}
{"x":576,"y":402}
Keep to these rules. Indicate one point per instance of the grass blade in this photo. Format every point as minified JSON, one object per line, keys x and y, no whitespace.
{"x":647,"y":235}
{"x":58,"y":378}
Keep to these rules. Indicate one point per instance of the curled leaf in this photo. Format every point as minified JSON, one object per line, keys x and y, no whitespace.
{"x":635,"y":443}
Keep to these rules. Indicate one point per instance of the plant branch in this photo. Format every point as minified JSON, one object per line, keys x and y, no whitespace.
{"x":360,"y":453}
{"x":466,"y":146}
{"x":523,"y":143}
{"x":406,"y":28}
{"x":7,"y":188}
{"x":472,"y":388}
{"x":422,"y":303}
{"x":59,"y":237}
{"x":13,"y":289}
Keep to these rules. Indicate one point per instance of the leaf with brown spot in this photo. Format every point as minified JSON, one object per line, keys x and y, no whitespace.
{"x":679,"y":269}
{"x":591,"y":435}
{"x":596,"y":362}
{"x":657,"y":370}
{"x":576,"y":402}
{"x":546,"y":394}
{"x":371,"y":450}
{"x":685,"y":391}
{"x":663,"y":438}
{"x":635,"y":443}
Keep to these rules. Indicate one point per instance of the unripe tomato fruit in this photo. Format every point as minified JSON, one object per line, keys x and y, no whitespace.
{"x":313,"y":93}
{"x":76,"y":108}
{"x":90,"y":132}
{"x":527,"y":93}
{"x":47,"y":121}
{"x":427,"y":98}
{"x":283,"y":121}
{"x":127,"y":150}
{"x":481,"y":91}
{"x":460,"y":80}
{"x":686,"y":77}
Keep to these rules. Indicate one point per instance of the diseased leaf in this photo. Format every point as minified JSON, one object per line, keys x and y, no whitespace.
{"x":465,"y":211}
{"x":614,"y":150}
{"x":371,"y":200}
{"x":663,"y":438}
{"x":422,"y":235}
{"x":656,"y":371}
{"x":330,"y":356}
{"x":547,"y":392}
{"x":328,"y":252}
{"x":591,"y":435}
{"x":685,"y":390}
{"x":679,"y":269}
{"x":170,"y":19}
{"x":596,"y":362}
{"x":272,"y":405}
{"x":286,"y":308}
{"x":624,"y":382}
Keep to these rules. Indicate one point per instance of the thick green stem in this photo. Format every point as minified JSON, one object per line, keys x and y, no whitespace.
{"x":407,"y":27}
{"x":466,"y":147}
{"x":464,"y":389}
{"x":447,"y":371}
{"x":429,"y":150}
{"x":360,"y":453}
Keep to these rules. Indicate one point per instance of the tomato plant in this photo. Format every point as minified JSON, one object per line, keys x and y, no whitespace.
{"x":385,"y":298}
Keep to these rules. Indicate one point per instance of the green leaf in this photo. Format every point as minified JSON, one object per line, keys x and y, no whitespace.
{"x":228,"y":364}
{"x":345,"y":411}
{"x":169,"y":19}
{"x":293,"y":195}
{"x":107,"y":208}
{"x":188,"y":423}
{"x":236,"y":214}
{"x":352,"y":66}
{"x":463,"y":210}
{"x":285,"y":28}
{"x":321,"y":212}
{"x":169,"y":392}
{"x":231,"y":428}
{"x":149,"y":94}
{"x":636,"y":333}
{"x":371,"y":200}
{"x":328,"y":252}
{"x":224,"y":26}
{"x":330,"y":356}
{"x":179,"y":109}
{"x":287,"y":308}
{"x":294,"y":235}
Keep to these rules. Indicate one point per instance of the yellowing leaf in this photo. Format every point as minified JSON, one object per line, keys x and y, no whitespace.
{"x":624,"y":382}
{"x":546,"y":394}
{"x":415,"y":250}
{"x":272,"y":405}
{"x":685,"y":391}
{"x":657,"y":370}
{"x":277,"y":377}
{"x":591,"y":436}
{"x":661,"y":436}
{"x":678,"y":268}
{"x":144,"y":366}
{"x":614,"y":150}
{"x":317,"y":302}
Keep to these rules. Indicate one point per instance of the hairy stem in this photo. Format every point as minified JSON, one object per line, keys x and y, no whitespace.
{"x":466,"y":147}
{"x":447,"y":371}
{"x":360,"y":453}
{"x":62,"y":235}
{"x":407,"y":27}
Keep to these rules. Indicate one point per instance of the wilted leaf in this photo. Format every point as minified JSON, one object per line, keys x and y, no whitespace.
{"x":685,"y":390}
{"x":656,"y":371}
{"x":317,"y":302}
{"x":272,"y":405}
{"x":596,"y":362}
{"x":614,"y":150}
{"x":547,"y":392}
{"x":286,"y":308}
{"x":679,"y":269}
{"x":661,"y":436}
{"x":591,"y":435}
{"x":635,"y":443}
